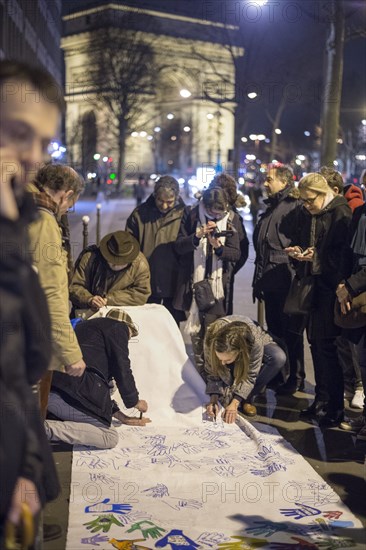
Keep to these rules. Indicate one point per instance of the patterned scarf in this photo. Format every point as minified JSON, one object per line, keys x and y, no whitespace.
{"x":193,"y":324}
{"x":45,"y":202}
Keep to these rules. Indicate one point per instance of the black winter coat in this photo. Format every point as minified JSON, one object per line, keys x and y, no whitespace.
{"x":185,"y":247}
{"x":25,"y":349}
{"x":356,"y":280}
{"x":273,"y":233}
{"x":330,"y":262}
{"x":104,"y":343}
{"x":156,"y":234}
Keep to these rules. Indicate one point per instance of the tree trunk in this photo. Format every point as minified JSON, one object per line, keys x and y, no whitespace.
{"x":240,"y":63}
{"x":121,"y":170}
{"x":275,"y":124}
{"x":333,"y":84}
{"x":239,"y":124}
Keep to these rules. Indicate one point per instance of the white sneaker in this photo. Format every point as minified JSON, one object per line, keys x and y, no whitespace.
{"x":358,"y":399}
{"x":348,"y":395}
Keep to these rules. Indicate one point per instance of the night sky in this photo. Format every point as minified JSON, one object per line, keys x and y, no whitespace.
{"x":288,"y":42}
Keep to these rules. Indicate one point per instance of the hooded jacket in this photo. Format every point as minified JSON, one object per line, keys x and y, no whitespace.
{"x":354,"y":196}
{"x":156,"y":234}
{"x":274,"y":232}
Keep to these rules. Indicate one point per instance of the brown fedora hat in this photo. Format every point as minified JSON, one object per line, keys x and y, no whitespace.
{"x":119,"y":248}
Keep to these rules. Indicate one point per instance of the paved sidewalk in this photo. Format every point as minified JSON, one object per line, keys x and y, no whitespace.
{"x":334,"y":454}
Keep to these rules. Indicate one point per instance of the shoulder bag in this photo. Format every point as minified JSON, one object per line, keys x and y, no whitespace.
{"x":356,"y":317}
{"x":203,"y":294}
{"x":299,"y":299}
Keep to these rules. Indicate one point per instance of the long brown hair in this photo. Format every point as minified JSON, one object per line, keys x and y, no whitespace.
{"x":232,"y":337}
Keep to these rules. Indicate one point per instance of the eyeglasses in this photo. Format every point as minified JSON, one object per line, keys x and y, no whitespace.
{"x":309,"y":201}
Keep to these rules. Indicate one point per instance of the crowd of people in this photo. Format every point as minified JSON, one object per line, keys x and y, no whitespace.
{"x":59,"y":368}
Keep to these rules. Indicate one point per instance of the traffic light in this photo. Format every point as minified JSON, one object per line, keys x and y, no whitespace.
{"x":111,"y":178}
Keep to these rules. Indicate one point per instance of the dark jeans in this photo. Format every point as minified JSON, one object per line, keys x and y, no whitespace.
{"x":279,"y":325}
{"x":274,"y":359}
{"x":347,"y":356}
{"x":329,"y":385}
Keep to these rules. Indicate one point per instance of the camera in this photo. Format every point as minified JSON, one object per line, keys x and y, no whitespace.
{"x":226,"y":233}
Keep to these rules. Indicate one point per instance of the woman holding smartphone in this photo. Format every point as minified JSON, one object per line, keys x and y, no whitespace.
{"x":323,"y":241}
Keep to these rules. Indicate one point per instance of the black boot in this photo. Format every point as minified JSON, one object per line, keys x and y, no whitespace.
{"x":317,"y":408}
{"x":332,"y":419}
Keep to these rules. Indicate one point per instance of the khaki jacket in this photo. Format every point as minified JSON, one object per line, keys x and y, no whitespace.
{"x":131,"y":287}
{"x":50,"y":260}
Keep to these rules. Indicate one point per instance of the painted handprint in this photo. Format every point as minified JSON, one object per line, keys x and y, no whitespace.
{"x":127,"y":544}
{"x":102,"y":523}
{"x":266,"y":528}
{"x":161,"y":491}
{"x":154,"y":531}
{"x":104,"y":506}
{"x":94,"y":540}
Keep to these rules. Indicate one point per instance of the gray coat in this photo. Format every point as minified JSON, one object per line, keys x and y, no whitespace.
{"x":221,"y":385}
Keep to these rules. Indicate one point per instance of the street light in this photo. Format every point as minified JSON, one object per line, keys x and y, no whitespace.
{"x":278,"y":131}
{"x":186,"y":129}
{"x":185,"y":93}
{"x":252,"y":95}
{"x":170,"y":116}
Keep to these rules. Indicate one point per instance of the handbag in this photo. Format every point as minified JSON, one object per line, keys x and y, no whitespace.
{"x":299,"y":299}
{"x":356,"y":317}
{"x":203,"y":294}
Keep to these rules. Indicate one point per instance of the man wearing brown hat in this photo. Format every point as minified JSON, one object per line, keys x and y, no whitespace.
{"x":116,"y":274}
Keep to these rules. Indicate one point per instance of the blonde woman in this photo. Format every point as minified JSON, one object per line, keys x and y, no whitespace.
{"x":240,"y":359}
{"x":322,"y":245}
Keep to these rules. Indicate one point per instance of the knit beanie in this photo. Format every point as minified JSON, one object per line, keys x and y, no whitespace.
{"x":314,"y":182}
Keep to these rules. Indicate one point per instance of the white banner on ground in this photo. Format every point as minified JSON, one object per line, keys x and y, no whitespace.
{"x":184,"y":482}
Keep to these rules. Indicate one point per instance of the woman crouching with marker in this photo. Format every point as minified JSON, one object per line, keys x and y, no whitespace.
{"x":240,"y":359}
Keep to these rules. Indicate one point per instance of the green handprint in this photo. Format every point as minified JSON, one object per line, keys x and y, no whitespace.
{"x":154,"y":532}
{"x":102,"y":523}
{"x":242,"y":543}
